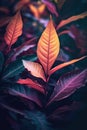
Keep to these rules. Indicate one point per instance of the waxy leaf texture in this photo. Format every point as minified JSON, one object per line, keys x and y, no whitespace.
{"x":48,"y":47}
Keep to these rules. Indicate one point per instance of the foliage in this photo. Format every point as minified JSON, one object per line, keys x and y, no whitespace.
{"x":42,"y":64}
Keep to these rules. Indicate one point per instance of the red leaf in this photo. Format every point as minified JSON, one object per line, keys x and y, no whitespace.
{"x":68,"y":84}
{"x":31,"y":84}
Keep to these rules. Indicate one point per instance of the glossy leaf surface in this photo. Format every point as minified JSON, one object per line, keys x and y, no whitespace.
{"x":48,"y":47}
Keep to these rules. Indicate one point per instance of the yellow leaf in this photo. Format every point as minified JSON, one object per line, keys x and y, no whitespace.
{"x":14,"y":29}
{"x":35,"y":69}
{"x":48,"y":47}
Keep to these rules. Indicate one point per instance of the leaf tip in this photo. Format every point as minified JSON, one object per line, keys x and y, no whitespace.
{"x":50,"y":17}
{"x":23,"y":61}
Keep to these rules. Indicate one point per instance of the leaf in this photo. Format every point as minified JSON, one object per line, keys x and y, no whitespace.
{"x":64,"y":32}
{"x":34,"y":10}
{"x":61,"y":3}
{"x":4,"y":21}
{"x":79,"y":35}
{"x":35,"y":69}
{"x":16,"y":67}
{"x":24,"y":92}
{"x":6,"y":106}
{"x":41,"y":8}
{"x":1,"y":60}
{"x":4,"y":10}
{"x":60,"y":112}
{"x":24,"y":47}
{"x":39,"y":120}
{"x":20,"y":4}
{"x":37,"y":11}
{"x":71,"y":19}
{"x":13,"y":30}
{"x":51,"y":7}
{"x":68,"y":84}
{"x":65,"y":64}
{"x":32,"y":84}
{"x":48,"y":47}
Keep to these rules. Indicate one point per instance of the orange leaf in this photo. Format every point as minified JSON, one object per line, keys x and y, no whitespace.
{"x":31,"y":84}
{"x":14,"y":29}
{"x":35,"y":69}
{"x":48,"y":47}
{"x":65,"y":64}
{"x":41,"y":8}
{"x":37,"y":11}
{"x":71,"y":19}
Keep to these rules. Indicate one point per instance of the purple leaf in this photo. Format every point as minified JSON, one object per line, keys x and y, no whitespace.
{"x":24,"y":47}
{"x":19,"y":50}
{"x":51,"y":7}
{"x":68,"y":84}
{"x":26,"y":93}
{"x":60,"y":112}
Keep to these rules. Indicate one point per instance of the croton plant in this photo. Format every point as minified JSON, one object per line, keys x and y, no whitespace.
{"x":36,"y":84}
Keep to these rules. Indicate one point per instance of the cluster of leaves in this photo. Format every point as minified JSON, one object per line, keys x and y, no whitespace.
{"x":37,"y":78}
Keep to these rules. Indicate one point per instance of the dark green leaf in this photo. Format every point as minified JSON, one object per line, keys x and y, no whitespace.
{"x":38,"y":119}
{"x":16,"y":67}
{"x":24,"y":92}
